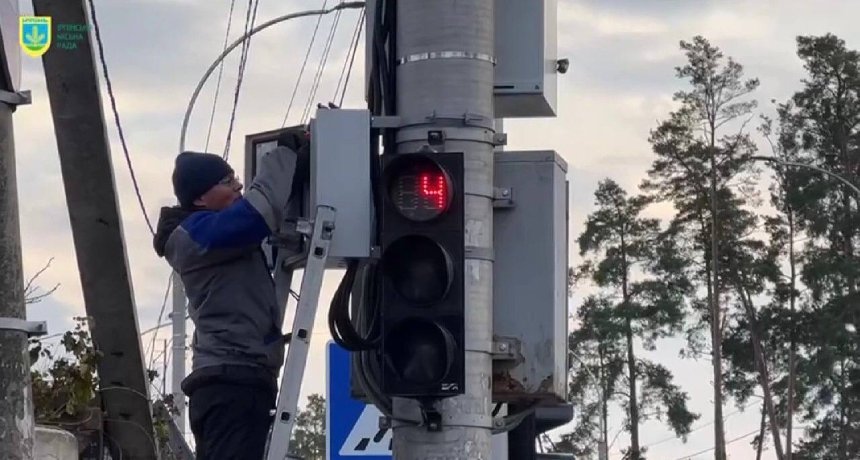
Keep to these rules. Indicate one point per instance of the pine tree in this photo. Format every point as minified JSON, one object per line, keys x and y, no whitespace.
{"x":309,"y":434}
{"x":642,"y":286}
{"x":697,"y":169}
{"x":820,"y":126}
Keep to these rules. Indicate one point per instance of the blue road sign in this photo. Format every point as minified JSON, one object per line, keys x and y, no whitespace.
{"x":352,"y":427}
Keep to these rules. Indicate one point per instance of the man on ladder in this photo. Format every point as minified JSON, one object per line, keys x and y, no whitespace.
{"x":212,"y":239}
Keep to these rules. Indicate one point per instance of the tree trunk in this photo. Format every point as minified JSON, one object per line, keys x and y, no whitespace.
{"x":631,"y":357}
{"x":761,"y":364}
{"x":843,"y":419}
{"x":716,"y":335}
{"x":761,"y":433}
{"x":604,"y":414}
{"x":634,"y":403}
{"x":792,"y":352}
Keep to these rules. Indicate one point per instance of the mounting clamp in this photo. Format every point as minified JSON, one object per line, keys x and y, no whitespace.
{"x":503,"y":197}
{"x":16,"y":98}
{"x":32,"y":328}
{"x":505,"y":349}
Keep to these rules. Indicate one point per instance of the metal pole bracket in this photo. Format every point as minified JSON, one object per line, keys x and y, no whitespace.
{"x":32,"y":328}
{"x":503,"y":197}
{"x":386,"y":122}
{"x":505,"y":349}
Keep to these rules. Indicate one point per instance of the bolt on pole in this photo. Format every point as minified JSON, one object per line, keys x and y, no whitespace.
{"x":444,"y":82}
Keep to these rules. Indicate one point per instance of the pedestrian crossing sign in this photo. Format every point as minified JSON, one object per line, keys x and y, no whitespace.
{"x":352,"y":427}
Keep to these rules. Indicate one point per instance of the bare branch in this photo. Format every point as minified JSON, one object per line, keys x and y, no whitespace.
{"x":30,"y":290}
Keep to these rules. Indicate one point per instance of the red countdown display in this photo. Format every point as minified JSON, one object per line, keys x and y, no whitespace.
{"x":420,"y":191}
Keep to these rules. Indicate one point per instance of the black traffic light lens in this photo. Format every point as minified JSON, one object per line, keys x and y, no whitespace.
{"x":418,"y":269}
{"x":419,"y":188}
{"x":423,"y":353}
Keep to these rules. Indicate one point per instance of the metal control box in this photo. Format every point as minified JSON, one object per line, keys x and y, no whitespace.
{"x":530,"y":303}
{"x":340,"y":178}
{"x":526,"y":82}
{"x":526,"y":73}
{"x":257,"y":145}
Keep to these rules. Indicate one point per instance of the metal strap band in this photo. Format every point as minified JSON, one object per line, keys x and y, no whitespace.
{"x":477,"y":253}
{"x":446,"y":55}
{"x":16,"y":98}
{"x":32,"y":328}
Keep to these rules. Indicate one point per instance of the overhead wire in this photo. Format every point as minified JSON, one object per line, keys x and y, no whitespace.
{"x":705,"y":451}
{"x":304,"y":64}
{"x":138,"y":426}
{"x":702,"y":426}
{"x":250,"y":20}
{"x":220,"y":73}
{"x":349,"y":60}
{"x":321,"y":68}
{"x":160,"y":315}
{"x":190,"y":108}
{"x":109,"y":85}
{"x":159,"y":326}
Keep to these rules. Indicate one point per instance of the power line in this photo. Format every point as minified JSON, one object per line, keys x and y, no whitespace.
{"x":246,"y":45}
{"x":304,"y":64}
{"x":323,"y":63}
{"x":160,"y":315}
{"x":701,"y":426}
{"x":346,"y":60}
{"x":220,"y":73}
{"x":349,"y":59}
{"x":321,"y":68}
{"x":158,"y":326}
{"x":190,"y":108}
{"x":687,"y":457}
{"x":116,"y":115}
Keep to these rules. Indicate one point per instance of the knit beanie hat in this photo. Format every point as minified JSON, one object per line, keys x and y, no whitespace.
{"x":195,"y":173}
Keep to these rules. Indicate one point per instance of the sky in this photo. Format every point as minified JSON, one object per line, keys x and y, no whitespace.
{"x":620,"y":85}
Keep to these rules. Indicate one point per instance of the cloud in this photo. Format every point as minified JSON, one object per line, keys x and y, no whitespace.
{"x":607,"y":23}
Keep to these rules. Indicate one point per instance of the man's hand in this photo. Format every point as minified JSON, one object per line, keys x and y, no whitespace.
{"x":294,"y":138}
{"x":298,"y":140}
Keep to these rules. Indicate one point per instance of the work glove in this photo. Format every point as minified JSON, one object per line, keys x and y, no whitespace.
{"x":272,"y":183}
{"x":298,"y":140}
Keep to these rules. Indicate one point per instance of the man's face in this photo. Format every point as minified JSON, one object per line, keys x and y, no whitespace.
{"x":221,"y":195}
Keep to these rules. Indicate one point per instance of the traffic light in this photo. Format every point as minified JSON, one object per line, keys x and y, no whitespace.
{"x":422,"y":242}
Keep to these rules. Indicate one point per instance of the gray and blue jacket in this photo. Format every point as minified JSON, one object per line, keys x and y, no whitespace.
{"x":230,"y":290}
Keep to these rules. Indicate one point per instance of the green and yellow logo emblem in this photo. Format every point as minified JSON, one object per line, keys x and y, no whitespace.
{"x":35,"y":34}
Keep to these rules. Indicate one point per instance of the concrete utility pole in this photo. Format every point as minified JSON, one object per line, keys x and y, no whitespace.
{"x":178,"y":319}
{"x":445,"y":82}
{"x":17,"y":424}
{"x":91,"y":196}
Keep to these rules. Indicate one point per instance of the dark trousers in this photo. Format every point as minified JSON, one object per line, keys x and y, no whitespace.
{"x":230,"y":421}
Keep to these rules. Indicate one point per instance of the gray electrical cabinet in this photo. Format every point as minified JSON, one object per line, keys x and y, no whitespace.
{"x":526,"y":81}
{"x":340,"y":178}
{"x":530,"y":303}
{"x":526,"y":72}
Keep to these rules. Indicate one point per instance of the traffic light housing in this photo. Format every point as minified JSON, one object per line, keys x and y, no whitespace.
{"x":422,"y":262}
